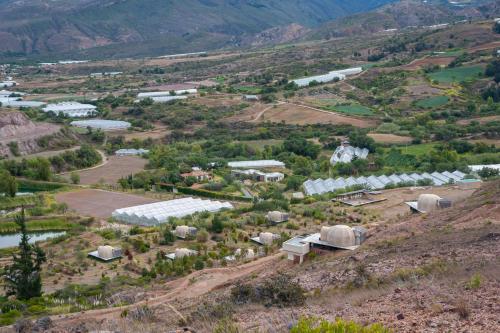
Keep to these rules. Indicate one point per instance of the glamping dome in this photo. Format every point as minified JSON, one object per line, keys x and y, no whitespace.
{"x":266,"y":238}
{"x":338,"y":236}
{"x":181,"y":253}
{"x":181,"y":231}
{"x":105,"y":252}
{"x":428,"y":202}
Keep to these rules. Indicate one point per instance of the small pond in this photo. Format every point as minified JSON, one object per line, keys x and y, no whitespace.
{"x":11,"y":240}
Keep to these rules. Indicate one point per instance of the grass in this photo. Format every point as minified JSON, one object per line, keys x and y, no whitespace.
{"x":433,"y":102}
{"x":10,"y":203}
{"x":259,"y":144}
{"x":38,"y":225}
{"x":458,"y":74}
{"x":248,"y":89}
{"x":353,"y":109}
{"x":417,"y":150}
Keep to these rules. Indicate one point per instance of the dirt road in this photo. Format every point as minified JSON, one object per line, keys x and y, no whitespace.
{"x":193,"y":285}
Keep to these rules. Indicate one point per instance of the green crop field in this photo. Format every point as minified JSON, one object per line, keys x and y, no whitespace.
{"x":416,"y":150}
{"x":353,"y":109}
{"x":433,"y":102}
{"x":248,"y":89}
{"x":450,"y":75}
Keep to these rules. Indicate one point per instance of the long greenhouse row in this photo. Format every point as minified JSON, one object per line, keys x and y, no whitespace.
{"x":320,"y":186}
{"x":159,"y":212}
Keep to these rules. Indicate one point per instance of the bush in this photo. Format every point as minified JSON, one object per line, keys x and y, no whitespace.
{"x":279,"y":290}
{"x":313,"y":325}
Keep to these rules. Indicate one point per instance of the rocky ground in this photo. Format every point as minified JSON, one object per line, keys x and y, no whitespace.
{"x":437,"y":272}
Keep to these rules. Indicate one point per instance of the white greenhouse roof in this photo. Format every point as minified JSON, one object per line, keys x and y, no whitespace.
{"x":340,"y":74}
{"x":481,"y":167}
{"x":320,"y":186}
{"x":345,"y":154}
{"x":131,"y":151}
{"x":160,"y":212}
{"x":16,"y":102}
{"x":256,"y":164}
{"x":101,"y":124}
{"x":68,"y":106}
{"x":166,"y":93}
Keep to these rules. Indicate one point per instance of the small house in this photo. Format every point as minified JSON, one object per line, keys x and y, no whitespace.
{"x":427,"y":203}
{"x":183,"y":232}
{"x":106,"y":253}
{"x":181,"y":253}
{"x":277,"y":217}
{"x":265,"y":238}
{"x":200,"y":175}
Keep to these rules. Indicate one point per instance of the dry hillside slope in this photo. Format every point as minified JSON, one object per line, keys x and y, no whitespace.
{"x":435,"y":273}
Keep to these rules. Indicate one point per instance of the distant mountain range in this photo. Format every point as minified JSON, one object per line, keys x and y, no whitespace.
{"x":48,"y":29}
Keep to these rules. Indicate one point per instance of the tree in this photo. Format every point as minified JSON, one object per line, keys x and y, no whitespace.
{"x":75,"y":178}
{"x":217,"y":224}
{"x":496,"y":27}
{"x":8,"y":184}
{"x":23,"y":278}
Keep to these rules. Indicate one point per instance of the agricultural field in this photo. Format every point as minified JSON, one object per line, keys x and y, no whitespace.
{"x":433,"y":102}
{"x":99,"y":203}
{"x":352,"y":110}
{"x":112,"y":170}
{"x":459,"y":74}
{"x":426,"y":101}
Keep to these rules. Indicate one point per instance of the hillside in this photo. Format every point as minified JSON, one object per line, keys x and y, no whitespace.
{"x":153,"y":27}
{"x":407,"y":13}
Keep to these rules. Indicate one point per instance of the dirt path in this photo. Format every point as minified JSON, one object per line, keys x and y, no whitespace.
{"x":261,"y":113}
{"x":194,"y":285}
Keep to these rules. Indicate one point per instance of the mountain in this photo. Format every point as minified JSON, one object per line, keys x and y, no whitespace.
{"x":121,"y":28}
{"x":407,"y":13}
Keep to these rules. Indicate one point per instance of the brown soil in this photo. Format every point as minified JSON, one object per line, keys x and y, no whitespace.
{"x":389,"y":138}
{"x":482,"y":120}
{"x":487,"y":46}
{"x":116,"y":168}
{"x":304,"y":115}
{"x":99,"y":203}
{"x":428,"y":61}
{"x":15,"y":126}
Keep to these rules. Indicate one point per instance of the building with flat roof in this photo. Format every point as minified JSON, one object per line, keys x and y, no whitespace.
{"x":106,"y":253}
{"x":260,"y":164}
{"x":259,"y":175}
{"x":131,"y":152}
{"x":329,"y":238}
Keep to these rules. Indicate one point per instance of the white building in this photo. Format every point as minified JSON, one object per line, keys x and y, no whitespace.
{"x":131,"y":152}
{"x":340,"y":74}
{"x":166,"y":93}
{"x":105,"y":74}
{"x":259,"y":175}
{"x":72,"y":109}
{"x":329,"y":238}
{"x":106,"y":253}
{"x":260,"y":164}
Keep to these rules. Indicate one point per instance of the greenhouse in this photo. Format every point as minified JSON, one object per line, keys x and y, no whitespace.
{"x":101,"y":124}
{"x":337,"y":74}
{"x":320,"y":186}
{"x":256,"y":164}
{"x":159,"y":212}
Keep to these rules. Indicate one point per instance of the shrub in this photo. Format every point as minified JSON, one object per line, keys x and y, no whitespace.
{"x":280,"y":291}
{"x":313,"y":325}
{"x":474,"y":282}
